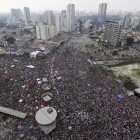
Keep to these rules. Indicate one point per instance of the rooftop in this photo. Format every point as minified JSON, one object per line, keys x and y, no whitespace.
{"x":43,"y":116}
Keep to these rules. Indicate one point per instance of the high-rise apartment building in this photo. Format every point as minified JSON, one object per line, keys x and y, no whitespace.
{"x":113,"y":32}
{"x":16,"y":13}
{"x":63,"y":18}
{"x":58,"y":22}
{"x":102,"y":10}
{"x":51,"y":18}
{"x":70,"y":17}
{"x":27,"y":16}
{"x":126,"y":21}
{"x":47,"y":18}
{"x":42,"y":31}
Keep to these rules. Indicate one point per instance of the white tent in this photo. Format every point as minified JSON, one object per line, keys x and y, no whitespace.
{"x":30,"y":66}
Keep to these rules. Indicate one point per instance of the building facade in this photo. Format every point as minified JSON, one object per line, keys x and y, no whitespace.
{"x":70,"y":17}
{"x":113,"y":32}
{"x":102,"y":10}
{"x":27,"y":16}
{"x":16,"y":13}
{"x":126,"y":21}
{"x":58,"y":22}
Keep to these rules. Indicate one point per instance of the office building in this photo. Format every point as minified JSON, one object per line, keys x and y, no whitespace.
{"x":16,"y":13}
{"x":113,"y":32}
{"x":102,"y":10}
{"x":126,"y":21}
{"x":70,"y":17}
{"x":27,"y":16}
{"x":58,"y":22}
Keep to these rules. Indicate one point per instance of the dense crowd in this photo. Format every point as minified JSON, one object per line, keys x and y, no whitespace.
{"x":73,"y":95}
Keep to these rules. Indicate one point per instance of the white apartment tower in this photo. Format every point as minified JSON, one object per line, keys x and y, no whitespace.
{"x":70,"y":17}
{"x":50,"y":18}
{"x":113,"y":32}
{"x":126,"y":22}
{"x":42,"y":31}
{"x":63,"y":18}
{"x":16,"y":13}
{"x":58,"y":23}
{"x":27,"y":16}
{"x":47,"y":18}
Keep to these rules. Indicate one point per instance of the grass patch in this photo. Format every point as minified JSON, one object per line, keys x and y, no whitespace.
{"x":92,"y":69}
{"x":124,"y":78}
{"x":90,"y":108}
{"x":67,"y":79}
{"x":137,"y":71}
{"x":1,"y":69}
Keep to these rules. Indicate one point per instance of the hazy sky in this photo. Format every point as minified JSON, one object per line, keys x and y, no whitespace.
{"x":58,"y":5}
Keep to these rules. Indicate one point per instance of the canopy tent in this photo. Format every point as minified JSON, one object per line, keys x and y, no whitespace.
{"x":120,"y":96}
{"x":21,"y":135}
{"x":70,"y":127}
{"x":31,"y":127}
{"x":30,"y":66}
{"x":56,"y":72}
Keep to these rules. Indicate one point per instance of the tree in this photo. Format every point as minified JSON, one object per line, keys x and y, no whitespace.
{"x":14,"y":33}
{"x":91,"y":27}
{"x":27,"y":31}
{"x":130,"y":41}
{"x":10,"y":40}
{"x":122,"y":55}
{"x":114,"y":53}
{"x":3,"y":32}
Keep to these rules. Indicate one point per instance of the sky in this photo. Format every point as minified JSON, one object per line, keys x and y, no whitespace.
{"x":58,"y":5}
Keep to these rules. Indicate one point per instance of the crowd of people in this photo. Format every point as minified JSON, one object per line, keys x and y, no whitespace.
{"x":87,"y":103}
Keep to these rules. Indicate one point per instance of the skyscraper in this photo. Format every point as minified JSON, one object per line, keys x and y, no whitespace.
{"x":126,"y":21}
{"x":16,"y":13}
{"x":102,"y":10}
{"x":70,"y":17}
{"x":27,"y":16}
{"x":63,"y":18}
{"x":113,"y":32}
{"x":58,"y":23}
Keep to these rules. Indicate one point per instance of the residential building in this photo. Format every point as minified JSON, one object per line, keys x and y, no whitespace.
{"x":70,"y":17}
{"x":126,"y":21}
{"x":58,"y":22}
{"x":52,"y":32}
{"x":113,"y":32}
{"x":27,"y":16}
{"x":16,"y":13}
{"x":34,"y":18}
{"x":42,"y":31}
{"x":47,"y":18}
{"x":102,"y":10}
{"x":63,"y":18}
{"x":51,"y":18}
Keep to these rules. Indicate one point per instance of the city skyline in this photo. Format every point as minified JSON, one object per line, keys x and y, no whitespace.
{"x":92,"y":5}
